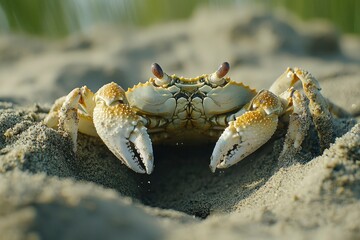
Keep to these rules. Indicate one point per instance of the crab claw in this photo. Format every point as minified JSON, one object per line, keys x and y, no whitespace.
{"x":122,"y":130}
{"x":247,"y":132}
{"x":241,"y":138}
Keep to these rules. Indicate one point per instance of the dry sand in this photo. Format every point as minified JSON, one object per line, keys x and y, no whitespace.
{"x":48,"y":192}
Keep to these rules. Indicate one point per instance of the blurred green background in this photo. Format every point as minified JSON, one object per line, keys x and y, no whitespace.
{"x":58,"y":18}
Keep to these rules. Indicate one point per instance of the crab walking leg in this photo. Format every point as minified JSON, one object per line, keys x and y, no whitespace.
{"x":318,"y":107}
{"x":68,"y":117}
{"x":122,"y":130}
{"x":247,"y":132}
{"x":299,"y":124}
{"x":52,"y":119}
{"x":288,"y":79}
{"x":284,"y":82}
{"x":85,"y":114}
{"x":65,"y":114}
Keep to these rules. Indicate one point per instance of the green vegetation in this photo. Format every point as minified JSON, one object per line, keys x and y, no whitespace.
{"x":55,"y":18}
{"x":345,"y":14}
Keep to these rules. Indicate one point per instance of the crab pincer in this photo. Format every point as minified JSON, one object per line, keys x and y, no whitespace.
{"x":122,"y":130}
{"x":247,"y":132}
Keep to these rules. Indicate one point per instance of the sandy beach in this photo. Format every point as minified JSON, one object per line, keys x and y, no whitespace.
{"x":49,"y":192}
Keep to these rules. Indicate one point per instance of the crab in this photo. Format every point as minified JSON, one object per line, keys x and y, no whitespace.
{"x":169,"y":109}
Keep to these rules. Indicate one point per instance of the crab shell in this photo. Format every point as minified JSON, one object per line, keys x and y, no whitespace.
{"x":188,"y":109}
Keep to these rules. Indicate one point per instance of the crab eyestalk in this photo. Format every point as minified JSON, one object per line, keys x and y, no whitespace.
{"x":217,"y":78}
{"x":161,"y":78}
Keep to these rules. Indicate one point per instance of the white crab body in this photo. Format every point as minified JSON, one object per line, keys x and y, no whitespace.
{"x":188,"y":110}
{"x":170,"y":109}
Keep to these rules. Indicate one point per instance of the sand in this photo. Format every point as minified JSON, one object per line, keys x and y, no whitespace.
{"x":48,"y":192}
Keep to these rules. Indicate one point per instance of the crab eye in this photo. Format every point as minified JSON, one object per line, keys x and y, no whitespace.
{"x":223,"y":70}
{"x":202,"y":80}
{"x":161,"y":78}
{"x":157,"y":70}
{"x":217,"y":78}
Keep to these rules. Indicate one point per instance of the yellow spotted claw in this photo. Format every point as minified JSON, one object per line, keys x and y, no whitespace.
{"x":247,"y":132}
{"x":121,"y":129}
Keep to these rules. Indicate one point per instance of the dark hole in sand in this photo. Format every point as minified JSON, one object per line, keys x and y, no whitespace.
{"x":182,"y":180}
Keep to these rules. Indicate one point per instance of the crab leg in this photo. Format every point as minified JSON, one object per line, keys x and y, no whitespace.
{"x":67,"y":117}
{"x":122,"y":130}
{"x":299,"y":123}
{"x":318,"y":106}
{"x":247,"y":132}
{"x":52,"y":119}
